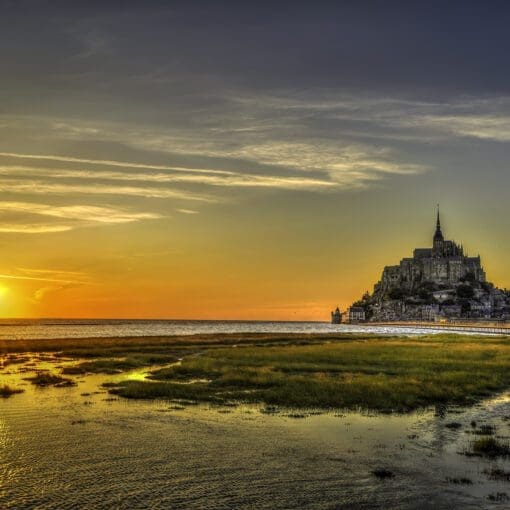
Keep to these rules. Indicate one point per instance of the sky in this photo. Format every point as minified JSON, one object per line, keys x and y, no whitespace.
{"x":235,"y":160}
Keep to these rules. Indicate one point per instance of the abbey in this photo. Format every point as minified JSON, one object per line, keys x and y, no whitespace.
{"x":444,"y":263}
{"x":441,"y":281}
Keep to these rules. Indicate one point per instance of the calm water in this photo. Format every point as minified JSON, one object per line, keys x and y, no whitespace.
{"x":78,"y":448}
{"x":88,"y":328}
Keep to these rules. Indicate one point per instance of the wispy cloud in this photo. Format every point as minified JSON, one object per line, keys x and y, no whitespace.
{"x":483,"y":126}
{"x":187,"y":211}
{"x":297,"y":142}
{"x":315,"y":167}
{"x":40,"y":293}
{"x":228,"y":179}
{"x":38,"y":279}
{"x":73,"y":215}
{"x":308,"y":141}
{"x":108,"y":162}
{"x":33,"y":228}
{"x":347,"y":166}
{"x":45,"y":271}
{"x":53,"y":280}
{"x":38,"y":187}
{"x":78,"y":212}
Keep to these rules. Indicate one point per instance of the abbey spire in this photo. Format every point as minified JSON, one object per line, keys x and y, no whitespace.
{"x":438,"y":241}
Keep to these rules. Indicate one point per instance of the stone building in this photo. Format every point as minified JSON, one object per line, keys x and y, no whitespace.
{"x":441,"y":281}
{"x":336,"y":316}
{"x":357,"y":314}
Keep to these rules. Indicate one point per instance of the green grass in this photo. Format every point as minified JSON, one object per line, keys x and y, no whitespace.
{"x":295,"y":370}
{"x":386,"y":374}
{"x":122,"y":346}
{"x":118,"y":365}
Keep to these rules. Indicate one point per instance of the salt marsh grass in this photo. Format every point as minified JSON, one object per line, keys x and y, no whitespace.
{"x":328,"y":371}
{"x":385,"y":374}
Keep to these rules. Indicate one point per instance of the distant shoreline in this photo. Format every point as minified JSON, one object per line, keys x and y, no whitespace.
{"x":490,"y":326}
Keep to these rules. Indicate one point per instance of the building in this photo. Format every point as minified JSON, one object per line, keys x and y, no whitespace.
{"x":336,"y":316}
{"x":440,"y":281}
{"x":357,"y":314}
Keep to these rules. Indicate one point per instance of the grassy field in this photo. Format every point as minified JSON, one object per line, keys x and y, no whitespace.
{"x":385,"y":374}
{"x":145,"y":345}
{"x":313,"y":371}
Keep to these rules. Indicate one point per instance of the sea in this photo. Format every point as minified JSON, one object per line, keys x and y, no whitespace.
{"x":27,"y":329}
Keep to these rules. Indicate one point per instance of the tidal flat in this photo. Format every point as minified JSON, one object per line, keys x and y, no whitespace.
{"x":277,"y":422}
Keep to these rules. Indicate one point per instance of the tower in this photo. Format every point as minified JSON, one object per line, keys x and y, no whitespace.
{"x":438,"y":241}
{"x":336,"y":316}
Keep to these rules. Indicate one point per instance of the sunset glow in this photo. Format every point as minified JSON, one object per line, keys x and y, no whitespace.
{"x":203,"y":182}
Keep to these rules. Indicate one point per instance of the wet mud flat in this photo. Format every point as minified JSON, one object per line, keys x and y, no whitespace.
{"x":75,"y":445}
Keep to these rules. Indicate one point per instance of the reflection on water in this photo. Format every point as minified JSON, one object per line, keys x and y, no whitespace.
{"x":16,"y":329}
{"x":78,"y":447}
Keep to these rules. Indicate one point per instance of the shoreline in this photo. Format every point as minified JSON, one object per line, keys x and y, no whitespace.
{"x":492,"y":327}
{"x":198,"y":340}
{"x":207,"y":339}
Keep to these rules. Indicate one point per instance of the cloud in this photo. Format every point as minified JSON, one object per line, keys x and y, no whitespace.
{"x":74,"y":215}
{"x":346,"y":166}
{"x":54,"y":280}
{"x":187,"y":211}
{"x":485,"y":127}
{"x":38,"y":279}
{"x":315,"y":167}
{"x":38,"y":187}
{"x":317,"y":141}
{"x":104,"y":162}
{"x":362,"y":116}
{"x":40,"y":271}
{"x":42,"y":292}
{"x":253,"y":141}
{"x":229,"y":179}
{"x":78,"y":212}
{"x":33,"y":228}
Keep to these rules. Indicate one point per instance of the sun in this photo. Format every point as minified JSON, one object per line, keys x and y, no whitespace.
{"x":5,"y":304}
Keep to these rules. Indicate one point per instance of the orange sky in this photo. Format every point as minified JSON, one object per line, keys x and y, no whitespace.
{"x":211,"y":266}
{"x":233,"y":162}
